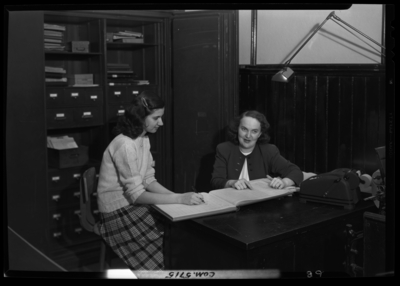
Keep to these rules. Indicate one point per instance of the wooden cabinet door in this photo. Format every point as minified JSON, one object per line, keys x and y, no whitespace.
{"x":204,"y":92}
{"x":25,"y":127}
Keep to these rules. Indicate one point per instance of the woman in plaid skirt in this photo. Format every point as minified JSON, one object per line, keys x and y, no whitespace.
{"x":127,"y":187}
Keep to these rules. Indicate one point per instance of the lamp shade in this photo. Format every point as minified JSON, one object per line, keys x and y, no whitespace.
{"x":283,"y":75}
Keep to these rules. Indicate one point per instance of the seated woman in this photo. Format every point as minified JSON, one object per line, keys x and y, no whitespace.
{"x":248,"y":156}
{"x":127,"y":187}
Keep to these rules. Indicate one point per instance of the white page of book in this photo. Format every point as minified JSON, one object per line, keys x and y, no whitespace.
{"x":261,"y":191}
{"x":211,"y":205}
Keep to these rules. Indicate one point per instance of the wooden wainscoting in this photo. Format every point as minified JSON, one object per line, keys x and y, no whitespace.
{"x":326,"y":117}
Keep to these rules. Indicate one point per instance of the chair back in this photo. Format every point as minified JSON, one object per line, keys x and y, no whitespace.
{"x":87,"y":187}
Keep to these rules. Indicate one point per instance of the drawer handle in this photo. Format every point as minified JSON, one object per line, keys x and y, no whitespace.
{"x":77,"y":194}
{"x":57,"y":234}
{"x":56,"y":216}
{"x":121,"y":112}
{"x":93,"y":97}
{"x":77,"y":176}
{"x":74,"y":95}
{"x":136,"y":92}
{"x":117,"y":93}
{"x":53,"y":95}
{"x":55,"y":179}
{"x":60,"y":116}
{"x":56,"y":198}
{"x":94,"y":194}
{"x":77,"y":212}
{"x":78,"y":230}
{"x":87,"y":115}
{"x":96,"y":212}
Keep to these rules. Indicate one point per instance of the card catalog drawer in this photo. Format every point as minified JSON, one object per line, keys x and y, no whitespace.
{"x":116,"y":94}
{"x":93,"y":96}
{"x":60,"y":118}
{"x":114,"y":112}
{"x":74,"y":97}
{"x":88,"y":116}
{"x":54,"y":97}
{"x":58,"y":179}
{"x":135,"y":90}
{"x":59,"y":198}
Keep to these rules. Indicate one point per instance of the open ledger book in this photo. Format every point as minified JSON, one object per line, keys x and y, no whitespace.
{"x":223,"y":200}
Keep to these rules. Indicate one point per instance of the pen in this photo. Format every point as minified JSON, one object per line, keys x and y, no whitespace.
{"x":194,"y":190}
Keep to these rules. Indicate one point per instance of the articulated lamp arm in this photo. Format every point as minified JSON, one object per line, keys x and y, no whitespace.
{"x":286,"y":72}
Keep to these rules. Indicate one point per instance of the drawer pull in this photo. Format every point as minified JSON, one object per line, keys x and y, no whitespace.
{"x":56,"y":216}
{"x":53,"y":95}
{"x":121,"y":112}
{"x":77,"y":212}
{"x":135,"y":92}
{"x":57,"y":234}
{"x":93,"y":97}
{"x":96,"y":212}
{"x":78,"y":230}
{"x":77,"y":176}
{"x":75,"y":95}
{"x":56,"y":198}
{"x":55,"y":179}
{"x":87,"y":114}
{"x":77,"y":194}
{"x":117,"y":93}
{"x":60,"y":116}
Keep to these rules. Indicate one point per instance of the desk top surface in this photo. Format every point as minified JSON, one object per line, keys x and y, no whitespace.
{"x":273,"y":220}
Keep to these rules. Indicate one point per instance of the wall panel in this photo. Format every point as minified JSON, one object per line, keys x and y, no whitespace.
{"x":326,"y":117}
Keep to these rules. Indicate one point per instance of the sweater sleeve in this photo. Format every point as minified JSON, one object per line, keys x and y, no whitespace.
{"x":150,"y":171}
{"x":219,"y":175}
{"x":126,"y":162}
{"x":278,"y":164}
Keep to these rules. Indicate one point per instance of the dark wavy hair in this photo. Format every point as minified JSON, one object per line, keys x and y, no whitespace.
{"x":132,"y":122}
{"x":232,"y":130}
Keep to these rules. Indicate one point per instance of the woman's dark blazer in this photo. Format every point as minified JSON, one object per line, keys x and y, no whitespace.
{"x":264,"y":160}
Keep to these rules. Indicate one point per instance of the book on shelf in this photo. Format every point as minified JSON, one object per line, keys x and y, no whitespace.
{"x":141,"y":82}
{"x":120,"y":72}
{"x":53,"y":33}
{"x":54,"y":69}
{"x":48,"y":26}
{"x":223,"y":201}
{"x":85,"y":85}
{"x":129,"y":34}
{"x":49,"y":40}
{"x":130,"y":40}
{"x":119,"y":83}
{"x":120,"y":75}
{"x":63,"y":79}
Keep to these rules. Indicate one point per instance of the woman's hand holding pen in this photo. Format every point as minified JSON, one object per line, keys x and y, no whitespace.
{"x":191,"y":198}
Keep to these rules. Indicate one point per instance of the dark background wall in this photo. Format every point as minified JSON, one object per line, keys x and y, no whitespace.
{"x":326,"y":117}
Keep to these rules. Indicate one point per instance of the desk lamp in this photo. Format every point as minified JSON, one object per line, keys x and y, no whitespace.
{"x":285,"y":74}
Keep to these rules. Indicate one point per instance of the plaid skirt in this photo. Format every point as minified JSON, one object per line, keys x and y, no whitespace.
{"x":136,"y":235}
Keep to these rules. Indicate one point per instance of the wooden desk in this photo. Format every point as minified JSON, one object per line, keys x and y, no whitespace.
{"x":283,"y":234}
